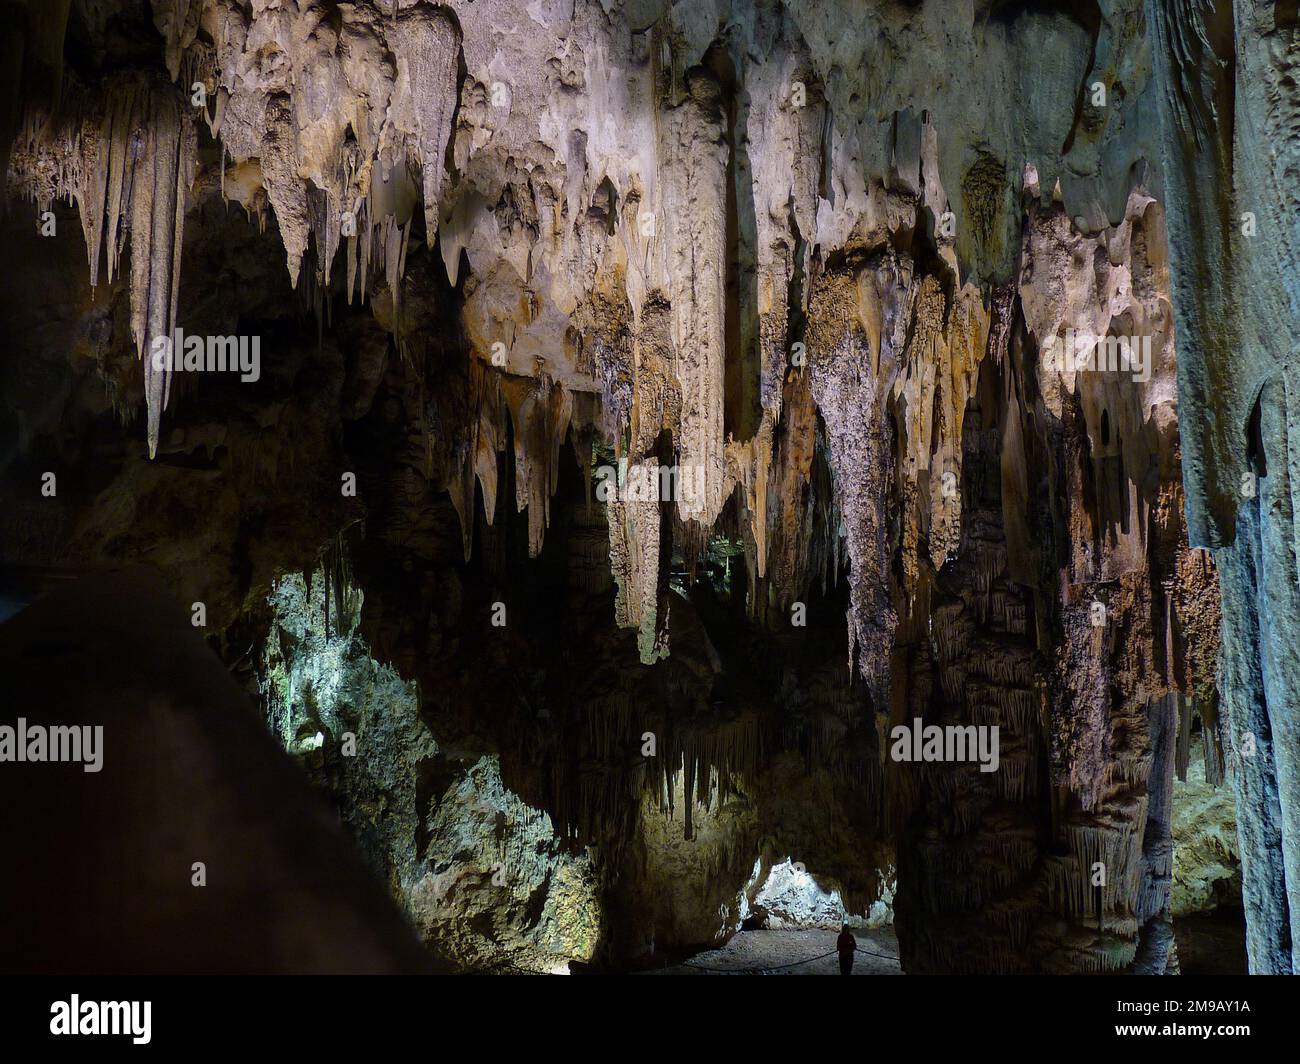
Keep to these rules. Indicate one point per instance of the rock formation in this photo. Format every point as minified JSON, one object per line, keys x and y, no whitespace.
{"x":662,"y":404}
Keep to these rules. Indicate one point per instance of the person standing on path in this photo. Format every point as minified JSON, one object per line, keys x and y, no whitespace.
{"x":847,"y":946}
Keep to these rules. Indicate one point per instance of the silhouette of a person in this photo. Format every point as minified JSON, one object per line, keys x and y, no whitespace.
{"x":846,"y":944}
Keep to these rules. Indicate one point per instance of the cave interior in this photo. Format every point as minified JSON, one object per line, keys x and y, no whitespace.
{"x":583,"y":486}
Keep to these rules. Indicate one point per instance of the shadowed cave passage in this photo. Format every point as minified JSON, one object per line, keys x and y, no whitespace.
{"x":641,"y":806}
{"x":810,"y":270}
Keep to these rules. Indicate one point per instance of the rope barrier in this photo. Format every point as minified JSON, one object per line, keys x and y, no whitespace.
{"x":782,"y":967}
{"x":501,"y":966}
{"x":882,"y":956}
{"x":771,"y":968}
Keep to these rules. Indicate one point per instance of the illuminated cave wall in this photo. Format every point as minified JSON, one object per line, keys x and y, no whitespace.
{"x":480,"y":873}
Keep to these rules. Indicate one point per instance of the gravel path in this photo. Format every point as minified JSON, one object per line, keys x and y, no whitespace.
{"x":765,"y":952}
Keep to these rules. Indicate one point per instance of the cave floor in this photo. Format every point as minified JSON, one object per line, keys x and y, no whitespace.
{"x":1210,"y":944}
{"x":779,"y":953}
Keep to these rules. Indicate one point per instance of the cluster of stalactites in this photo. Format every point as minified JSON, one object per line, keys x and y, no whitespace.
{"x":1099,"y":699}
{"x":540,"y":413}
{"x":349,"y":174}
{"x":704,"y":764}
{"x":696,"y":765}
{"x":348,"y":129}
{"x":128,"y":165}
{"x":127,"y":158}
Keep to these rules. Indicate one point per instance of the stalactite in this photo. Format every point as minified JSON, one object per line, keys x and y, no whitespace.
{"x":847,"y":394}
{"x":634,"y":530}
{"x":695,"y":219}
{"x":427,"y":49}
{"x":339,"y":586}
